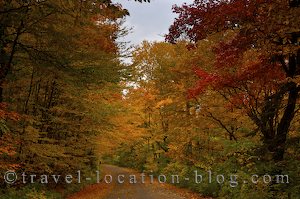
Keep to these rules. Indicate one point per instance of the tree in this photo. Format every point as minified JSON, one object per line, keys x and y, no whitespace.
{"x":257,"y":65}
{"x":54,"y":54}
{"x":40,"y":31}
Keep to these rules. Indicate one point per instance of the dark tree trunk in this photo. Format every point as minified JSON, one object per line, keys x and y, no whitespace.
{"x":1,"y":94}
{"x":284,"y":124}
{"x":277,"y":135}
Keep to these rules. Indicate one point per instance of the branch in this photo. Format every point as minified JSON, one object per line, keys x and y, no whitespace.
{"x":222,"y":125}
{"x":281,"y":60}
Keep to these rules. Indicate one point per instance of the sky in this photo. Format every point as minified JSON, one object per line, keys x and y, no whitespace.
{"x":150,"y":21}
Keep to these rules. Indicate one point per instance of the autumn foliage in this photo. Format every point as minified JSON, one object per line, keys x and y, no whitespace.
{"x":53,"y":56}
{"x":256,"y":63}
{"x":221,"y":94}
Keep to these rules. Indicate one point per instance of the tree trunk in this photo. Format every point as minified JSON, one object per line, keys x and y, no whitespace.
{"x":279,"y":141}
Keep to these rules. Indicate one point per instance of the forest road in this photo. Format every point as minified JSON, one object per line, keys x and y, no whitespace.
{"x":127,"y":190}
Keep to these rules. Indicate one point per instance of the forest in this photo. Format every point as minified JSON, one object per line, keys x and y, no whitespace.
{"x":220,"y":94}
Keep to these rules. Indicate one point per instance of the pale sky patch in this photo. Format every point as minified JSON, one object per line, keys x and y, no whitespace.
{"x":150,"y":21}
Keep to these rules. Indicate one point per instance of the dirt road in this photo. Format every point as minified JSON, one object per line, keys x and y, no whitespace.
{"x":127,"y":190}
